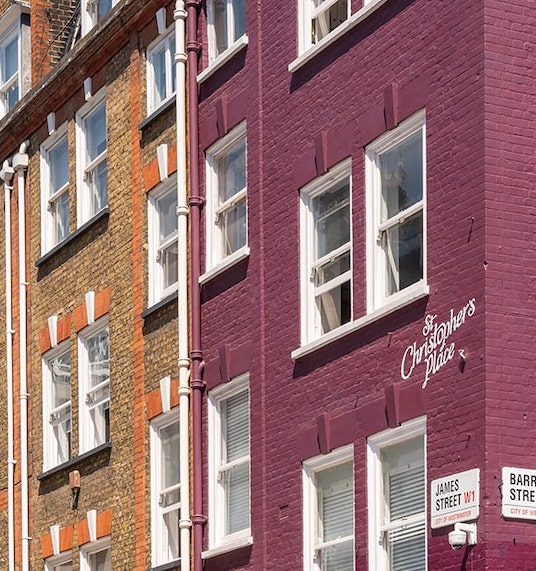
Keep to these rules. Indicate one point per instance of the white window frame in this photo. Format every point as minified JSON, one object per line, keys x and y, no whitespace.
{"x":377,"y":264}
{"x":92,"y":415}
{"x":86,"y":167}
{"x":103,"y":544}
{"x":90,"y":16}
{"x":49,"y":197}
{"x":216,"y":257}
{"x":377,"y":524}
{"x":161,"y":550}
{"x":307,"y":13}
{"x":232,"y":38}
{"x":57,"y":562}
{"x":219,"y":540}
{"x":158,"y":246}
{"x":312,"y":543}
{"x":165,"y":41}
{"x":8,"y":83}
{"x":53,"y":455}
{"x":311,"y":326}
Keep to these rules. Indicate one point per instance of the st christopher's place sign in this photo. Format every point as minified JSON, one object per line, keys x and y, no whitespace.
{"x":436,"y":349}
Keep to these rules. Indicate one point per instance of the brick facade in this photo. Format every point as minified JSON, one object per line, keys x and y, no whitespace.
{"x":470,"y":69}
{"x":108,"y":257}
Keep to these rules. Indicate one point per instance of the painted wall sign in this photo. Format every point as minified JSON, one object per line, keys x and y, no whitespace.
{"x":455,"y":498}
{"x":519,"y":493}
{"x":435,"y":351}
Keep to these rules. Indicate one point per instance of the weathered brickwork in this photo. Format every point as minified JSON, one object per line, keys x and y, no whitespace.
{"x":108,"y":256}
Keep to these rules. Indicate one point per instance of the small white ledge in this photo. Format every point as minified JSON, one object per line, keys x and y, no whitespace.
{"x":223,"y":58}
{"x":227,"y":547}
{"x":414,"y":293}
{"x":332,"y":37}
{"x":226,"y":263}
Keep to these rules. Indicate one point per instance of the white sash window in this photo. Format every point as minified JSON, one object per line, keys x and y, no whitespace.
{"x":397,"y":498}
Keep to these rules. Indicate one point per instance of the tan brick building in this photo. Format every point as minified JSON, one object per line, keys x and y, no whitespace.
{"x":88,"y":142}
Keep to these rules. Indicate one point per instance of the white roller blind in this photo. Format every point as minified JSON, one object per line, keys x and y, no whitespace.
{"x":405,"y":489}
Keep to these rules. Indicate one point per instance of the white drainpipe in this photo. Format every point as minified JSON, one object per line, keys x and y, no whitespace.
{"x":6,"y":174}
{"x":185,"y":523}
{"x":20,"y":163}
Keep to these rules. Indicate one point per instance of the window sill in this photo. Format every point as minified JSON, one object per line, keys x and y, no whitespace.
{"x":74,"y":461}
{"x":331,"y":38}
{"x":228,"y":547}
{"x":159,"y":304}
{"x":160,"y":110}
{"x":104,"y":213}
{"x":225,"y":264}
{"x":223,"y":58}
{"x":172,"y":565}
{"x":415,"y":293}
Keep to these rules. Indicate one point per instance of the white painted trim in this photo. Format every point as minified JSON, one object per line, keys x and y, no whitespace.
{"x":223,"y":58}
{"x":86,"y":429}
{"x":375,"y":501}
{"x":83,"y":210}
{"x":218,"y":541}
{"x":228,"y":547}
{"x":332,"y":37}
{"x":164,"y":39}
{"x":213,"y":234}
{"x":165,"y":393}
{"x":47,"y":220}
{"x":157,"y":291}
{"x":227,"y":262}
{"x":408,"y":296}
{"x":309,"y":469}
{"x":159,"y":553}
{"x":375,"y":255}
{"x":51,"y":456}
{"x":91,"y":548}
{"x":310,"y":316}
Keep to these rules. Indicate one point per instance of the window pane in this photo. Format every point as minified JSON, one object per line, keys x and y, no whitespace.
{"x":171,"y":521}
{"x":331,"y":212}
{"x":339,"y":557}
{"x":404,"y":252}
{"x":329,"y":19}
{"x":335,"y":488}
{"x":169,"y":437}
{"x":104,"y":6}
{"x":100,"y":561}
{"x":159,"y":68}
{"x":12,"y":95}
{"x":167,"y":215}
{"x":99,"y":358}
{"x":59,"y":166}
{"x":61,"y":379}
{"x":96,"y":133}
{"x":99,"y":186}
{"x":234,"y":224}
{"x":407,"y":548}
{"x":170,"y":264}
{"x":220,"y":25}
{"x":11,"y":58}
{"x":237,"y":498}
{"x":232,"y":172}
{"x":236,"y":426}
{"x":239,"y":16}
{"x":335,"y":307}
{"x":402,"y":175}
{"x":61,"y":217}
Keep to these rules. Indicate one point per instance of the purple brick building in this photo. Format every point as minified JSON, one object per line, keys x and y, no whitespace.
{"x":367,"y":263}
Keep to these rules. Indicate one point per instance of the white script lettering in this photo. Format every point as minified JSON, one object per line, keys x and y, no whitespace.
{"x":434,"y":350}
